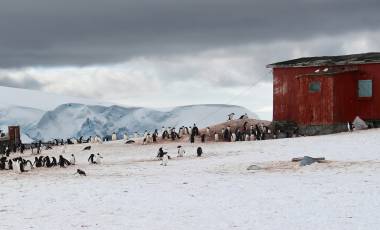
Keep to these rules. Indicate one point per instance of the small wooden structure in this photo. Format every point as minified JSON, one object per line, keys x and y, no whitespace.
{"x":322,"y":94}
{"x":10,"y":140}
{"x":14,"y":135}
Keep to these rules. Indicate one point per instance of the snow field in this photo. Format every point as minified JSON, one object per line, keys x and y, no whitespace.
{"x":133,"y":191}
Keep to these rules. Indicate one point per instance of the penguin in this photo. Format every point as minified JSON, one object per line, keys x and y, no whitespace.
{"x":192,"y":138}
{"x":165,"y":160}
{"x":181,"y":151}
{"x":16,"y":166}
{"x":160,"y":153}
{"x":10,"y":164}
{"x":54,"y":161}
{"x":47,"y":162}
{"x":2,"y":163}
{"x":81,"y":172}
{"x":91,"y":159}
{"x":72,"y":159}
{"x":62,"y":162}
{"x":114,"y":137}
{"x":233,"y":137}
{"x":87,"y":148}
{"x":154,"y":136}
{"x":203,"y":138}
{"x":27,"y":165}
{"x":98,"y":158}
{"x":199,"y":152}
{"x":195,"y":130}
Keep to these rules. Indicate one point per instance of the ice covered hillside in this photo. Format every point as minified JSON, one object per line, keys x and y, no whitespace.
{"x":19,"y":115}
{"x":131,"y":190}
{"x":75,"y":120}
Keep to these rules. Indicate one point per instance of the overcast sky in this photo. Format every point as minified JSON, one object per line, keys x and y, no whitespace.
{"x":161,"y":53}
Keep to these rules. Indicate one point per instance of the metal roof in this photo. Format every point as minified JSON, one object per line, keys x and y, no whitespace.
{"x":363,"y":58}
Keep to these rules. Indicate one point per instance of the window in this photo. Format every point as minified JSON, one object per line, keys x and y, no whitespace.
{"x":365,"y":88}
{"x":314,"y":86}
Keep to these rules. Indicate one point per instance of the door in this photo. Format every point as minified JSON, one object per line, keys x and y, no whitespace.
{"x":315,"y":98}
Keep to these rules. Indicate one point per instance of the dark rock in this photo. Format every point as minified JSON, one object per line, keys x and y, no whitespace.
{"x":254,"y":167}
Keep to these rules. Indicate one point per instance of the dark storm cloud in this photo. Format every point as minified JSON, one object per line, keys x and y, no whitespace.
{"x":82,"y":32}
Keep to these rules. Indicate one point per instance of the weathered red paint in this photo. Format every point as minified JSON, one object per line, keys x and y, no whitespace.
{"x":337,"y":102}
{"x":14,"y":135}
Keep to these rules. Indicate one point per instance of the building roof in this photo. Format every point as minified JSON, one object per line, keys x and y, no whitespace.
{"x":363,"y":58}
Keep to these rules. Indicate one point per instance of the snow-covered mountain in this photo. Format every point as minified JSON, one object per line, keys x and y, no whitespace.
{"x":18,"y":115}
{"x":75,"y":120}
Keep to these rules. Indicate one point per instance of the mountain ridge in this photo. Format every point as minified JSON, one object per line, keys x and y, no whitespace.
{"x":77,"y":119}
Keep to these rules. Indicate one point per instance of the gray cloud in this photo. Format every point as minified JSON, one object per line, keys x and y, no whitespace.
{"x":28,"y":83}
{"x":159,"y":52}
{"x":85,"y":32}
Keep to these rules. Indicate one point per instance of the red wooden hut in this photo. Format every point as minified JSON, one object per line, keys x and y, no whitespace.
{"x":322,"y":94}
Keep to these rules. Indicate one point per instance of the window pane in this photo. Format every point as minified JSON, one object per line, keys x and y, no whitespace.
{"x":365,"y":88}
{"x":314,"y":86}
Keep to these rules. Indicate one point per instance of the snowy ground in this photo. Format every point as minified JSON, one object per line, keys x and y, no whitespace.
{"x":132,"y":191}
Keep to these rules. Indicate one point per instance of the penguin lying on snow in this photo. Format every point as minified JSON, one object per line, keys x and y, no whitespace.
{"x":87,"y":148}
{"x":80,"y":172}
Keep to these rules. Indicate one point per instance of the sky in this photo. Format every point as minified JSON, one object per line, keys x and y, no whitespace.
{"x":163,"y":53}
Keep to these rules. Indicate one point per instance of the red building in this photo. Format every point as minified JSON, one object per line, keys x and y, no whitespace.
{"x":322,"y":94}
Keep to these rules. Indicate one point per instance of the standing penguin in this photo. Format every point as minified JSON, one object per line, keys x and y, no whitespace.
{"x":91,"y":159}
{"x":203,"y":138}
{"x":161,"y":153}
{"x":10,"y":164}
{"x":233,"y":137}
{"x":154,"y":136}
{"x":192,"y":138}
{"x":199,"y":152}
{"x":54,"y":161}
{"x":16,"y":166}
{"x":216,"y":137}
{"x":72,"y":159}
{"x":208,"y":132}
{"x":98,"y":158}
{"x":114,"y":137}
{"x":181,"y":151}
{"x":195,"y":130}
{"x":165,"y":160}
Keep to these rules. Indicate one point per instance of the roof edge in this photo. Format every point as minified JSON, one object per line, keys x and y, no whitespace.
{"x":317,"y":61}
